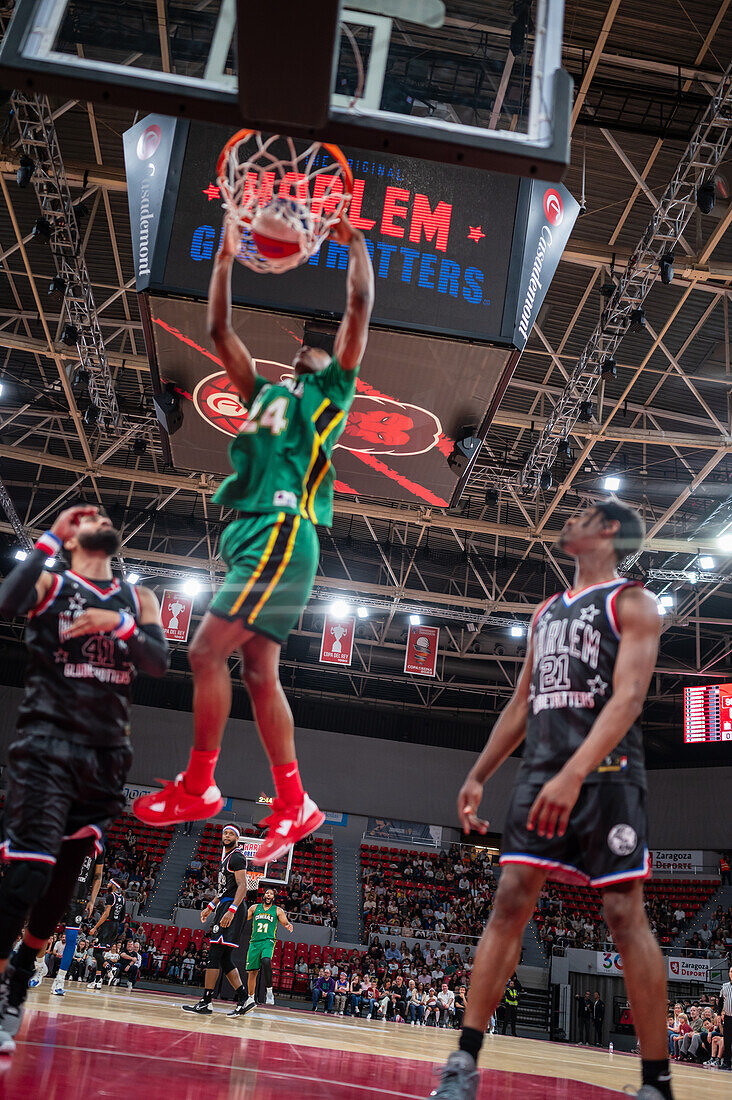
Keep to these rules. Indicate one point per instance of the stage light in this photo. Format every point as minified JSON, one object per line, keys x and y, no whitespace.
{"x":666,"y":600}
{"x":612,"y":484}
{"x":192,"y":586}
{"x":517,"y":631}
{"x":363,"y":612}
{"x":25,"y":172}
{"x":585,"y":415}
{"x":692,"y":576}
{"x":91,"y":416}
{"x":609,"y":366}
{"x":638,"y":318}
{"x":132,"y":578}
{"x":546,"y":480}
{"x":725,"y":543}
{"x":666,"y":263}
{"x":607,"y":289}
{"x":57,"y":285}
{"x":42,"y":230}
{"x":69,"y":337}
{"x":21,"y":555}
{"x":705,"y":196}
{"x":491,"y":497}
{"x":705,"y":562}
{"x":339,"y":608}
{"x":139,"y":447}
{"x":466,"y":445}
{"x":415,"y":620}
{"x":564,"y":450}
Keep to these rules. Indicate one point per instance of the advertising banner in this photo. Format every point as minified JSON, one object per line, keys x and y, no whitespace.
{"x":336,"y":646}
{"x":676,"y":859}
{"x":694,"y":970}
{"x":609,"y":962}
{"x":421,"y":656}
{"x":175,"y":614}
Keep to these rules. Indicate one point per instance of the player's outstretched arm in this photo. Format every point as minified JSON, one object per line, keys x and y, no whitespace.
{"x":353,"y":331}
{"x":234,"y":355}
{"x":28,"y":583}
{"x":640,"y":626}
{"x":507,"y":734}
{"x":283,"y":919}
{"x":98,"y":872}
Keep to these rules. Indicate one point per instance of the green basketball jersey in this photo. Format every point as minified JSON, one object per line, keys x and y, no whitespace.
{"x":282,"y":455}
{"x":264,"y":923}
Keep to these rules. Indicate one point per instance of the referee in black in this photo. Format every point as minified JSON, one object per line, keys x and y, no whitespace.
{"x":725,"y":1007}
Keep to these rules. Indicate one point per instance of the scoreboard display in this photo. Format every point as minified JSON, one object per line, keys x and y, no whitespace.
{"x":708,"y":713}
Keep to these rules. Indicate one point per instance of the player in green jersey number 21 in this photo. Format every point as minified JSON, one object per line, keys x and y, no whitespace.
{"x":281,"y":489}
{"x":264,"y":917}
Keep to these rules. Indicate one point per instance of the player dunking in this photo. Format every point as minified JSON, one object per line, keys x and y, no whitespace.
{"x":578,"y":811}
{"x":228,"y":923}
{"x":282,"y":486}
{"x":265,"y":918}
{"x":86,"y":635}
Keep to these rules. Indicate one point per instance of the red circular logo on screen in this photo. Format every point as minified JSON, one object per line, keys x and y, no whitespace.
{"x":218,"y":402}
{"x":149,"y":141}
{"x":553,"y":206}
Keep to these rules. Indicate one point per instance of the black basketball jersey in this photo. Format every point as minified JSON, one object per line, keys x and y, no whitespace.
{"x":78,"y":688}
{"x":575,"y":640}
{"x":117,"y":912}
{"x":82,"y":889}
{"x":234,"y":861}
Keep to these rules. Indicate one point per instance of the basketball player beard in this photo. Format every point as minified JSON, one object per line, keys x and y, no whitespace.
{"x":105,"y":540}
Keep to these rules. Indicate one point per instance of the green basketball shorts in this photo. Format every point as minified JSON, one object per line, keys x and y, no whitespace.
{"x":258,"y":950}
{"x":271,"y":561}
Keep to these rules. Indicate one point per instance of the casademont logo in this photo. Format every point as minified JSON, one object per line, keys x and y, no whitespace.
{"x":147,"y":147}
{"x":554,"y":213}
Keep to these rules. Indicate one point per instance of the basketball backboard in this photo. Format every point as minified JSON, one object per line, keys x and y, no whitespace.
{"x":273,"y":874}
{"x":411,"y":77}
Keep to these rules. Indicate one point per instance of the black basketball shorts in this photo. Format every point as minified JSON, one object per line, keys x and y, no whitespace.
{"x":232,"y":934}
{"x":605,"y":841}
{"x":59,"y":790}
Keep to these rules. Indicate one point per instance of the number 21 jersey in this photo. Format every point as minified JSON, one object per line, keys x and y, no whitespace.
{"x":282,"y":455}
{"x":575,"y":644}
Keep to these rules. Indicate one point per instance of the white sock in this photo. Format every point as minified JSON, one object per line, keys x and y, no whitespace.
{"x":61,"y":976}
{"x":270,"y":991}
{"x":249,"y":998}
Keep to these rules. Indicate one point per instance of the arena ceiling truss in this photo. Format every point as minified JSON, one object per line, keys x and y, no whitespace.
{"x":662,"y":423}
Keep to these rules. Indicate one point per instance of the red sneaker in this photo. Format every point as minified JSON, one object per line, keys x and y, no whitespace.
{"x":174,"y":804}
{"x":285,"y":826}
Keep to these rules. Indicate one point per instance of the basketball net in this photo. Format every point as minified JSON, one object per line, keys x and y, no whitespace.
{"x":253,"y":879}
{"x":253,"y":170}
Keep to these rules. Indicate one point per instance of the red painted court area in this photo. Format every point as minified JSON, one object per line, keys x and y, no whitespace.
{"x":65,"y":1057}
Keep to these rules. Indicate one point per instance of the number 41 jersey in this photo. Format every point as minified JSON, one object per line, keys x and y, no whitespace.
{"x":575,"y":642}
{"x":282,"y":455}
{"x":78,"y":688}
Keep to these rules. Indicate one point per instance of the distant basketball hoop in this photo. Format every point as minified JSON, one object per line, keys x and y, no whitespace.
{"x":284,"y":202}
{"x":253,"y":879}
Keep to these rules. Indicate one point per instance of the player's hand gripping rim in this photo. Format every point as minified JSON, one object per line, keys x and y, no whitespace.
{"x":469,"y":799}
{"x":553,"y":805}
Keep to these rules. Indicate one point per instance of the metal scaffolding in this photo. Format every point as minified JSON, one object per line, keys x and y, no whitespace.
{"x":701,"y":157}
{"x":59,"y":222}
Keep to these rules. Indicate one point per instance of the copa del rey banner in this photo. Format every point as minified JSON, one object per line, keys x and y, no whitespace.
{"x":175,"y":614}
{"x":336,"y":646}
{"x":421,"y":656}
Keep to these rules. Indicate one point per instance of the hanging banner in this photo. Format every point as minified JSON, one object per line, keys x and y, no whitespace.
{"x":608,"y":962}
{"x":175,"y":615}
{"x":421,"y":655}
{"x":694,"y":970}
{"x":336,"y":646}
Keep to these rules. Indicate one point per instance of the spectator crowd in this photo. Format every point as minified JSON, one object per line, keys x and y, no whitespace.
{"x":445,"y":894}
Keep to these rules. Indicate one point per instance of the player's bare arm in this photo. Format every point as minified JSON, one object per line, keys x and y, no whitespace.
{"x":284,"y":919}
{"x":239,"y":896}
{"x":352,"y":335}
{"x":250,"y":911}
{"x":640,"y":626}
{"x":234,"y":355}
{"x":96,"y":884}
{"x":507,"y":734}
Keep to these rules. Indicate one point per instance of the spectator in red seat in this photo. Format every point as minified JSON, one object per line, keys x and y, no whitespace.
{"x":432,"y":1009}
{"x":446,"y":997}
{"x":342,"y":989}
{"x":324,"y":989}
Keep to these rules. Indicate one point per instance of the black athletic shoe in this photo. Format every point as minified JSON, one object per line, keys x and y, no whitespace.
{"x":243,"y":1008}
{"x":203,"y":1008}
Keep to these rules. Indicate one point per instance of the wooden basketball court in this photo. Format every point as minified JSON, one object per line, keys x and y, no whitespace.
{"x":139,"y":1044}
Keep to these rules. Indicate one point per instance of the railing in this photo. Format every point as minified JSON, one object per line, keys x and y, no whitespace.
{"x":559,"y":949}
